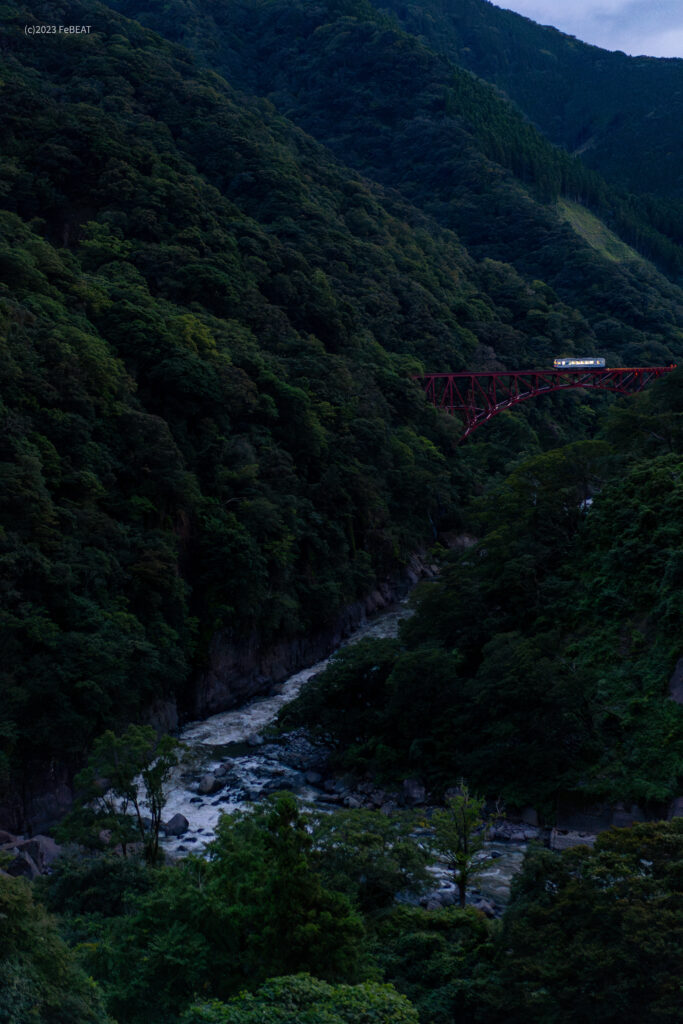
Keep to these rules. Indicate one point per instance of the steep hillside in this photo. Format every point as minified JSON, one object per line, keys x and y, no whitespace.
{"x":541,"y":664}
{"x":208,"y":422}
{"x":209,"y":325}
{"x":594,"y":102}
{"x":389,"y":106}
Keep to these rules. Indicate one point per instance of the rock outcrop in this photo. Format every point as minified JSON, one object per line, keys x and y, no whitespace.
{"x":240,"y":669}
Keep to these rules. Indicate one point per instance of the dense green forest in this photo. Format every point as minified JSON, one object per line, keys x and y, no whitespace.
{"x":591,"y":101}
{"x":537,"y":664}
{"x":209,"y":329}
{"x":230,"y":232}
{"x":282,"y":924}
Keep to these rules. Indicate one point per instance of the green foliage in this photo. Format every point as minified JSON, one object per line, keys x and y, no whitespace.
{"x":40,"y":979}
{"x":459,"y":835}
{"x":414,"y":118}
{"x":538,"y":662}
{"x":347,"y":699}
{"x":587,"y":99}
{"x":439,"y":959}
{"x":596,"y":932}
{"x":101,"y":886}
{"x":301,"y":923}
{"x":301,"y":999}
{"x":125,"y":776}
{"x":257,"y":908}
{"x":370,"y":856}
{"x":207,"y":417}
{"x":208,"y":330}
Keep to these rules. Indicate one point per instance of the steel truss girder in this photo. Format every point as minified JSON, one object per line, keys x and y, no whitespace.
{"x":478,"y":397}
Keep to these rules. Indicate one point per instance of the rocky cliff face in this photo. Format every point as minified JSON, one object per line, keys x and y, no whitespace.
{"x":240,"y":670}
{"x":237,"y":671}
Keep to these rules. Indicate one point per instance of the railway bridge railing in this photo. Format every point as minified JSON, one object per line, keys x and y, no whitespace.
{"x":478,"y":397}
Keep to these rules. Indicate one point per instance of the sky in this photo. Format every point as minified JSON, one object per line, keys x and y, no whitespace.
{"x":651,"y":27}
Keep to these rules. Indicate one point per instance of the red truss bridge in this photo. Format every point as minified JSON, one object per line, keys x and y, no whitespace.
{"x":478,"y":397}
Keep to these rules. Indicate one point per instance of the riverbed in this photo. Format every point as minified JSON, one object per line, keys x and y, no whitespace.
{"x":231,"y":747}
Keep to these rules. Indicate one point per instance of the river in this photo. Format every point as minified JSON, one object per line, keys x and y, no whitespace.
{"x":230,"y":745}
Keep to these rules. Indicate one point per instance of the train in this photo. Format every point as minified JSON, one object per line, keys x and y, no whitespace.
{"x":579,"y":363}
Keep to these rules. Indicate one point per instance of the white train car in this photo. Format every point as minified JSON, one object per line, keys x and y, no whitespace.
{"x":579,"y":363}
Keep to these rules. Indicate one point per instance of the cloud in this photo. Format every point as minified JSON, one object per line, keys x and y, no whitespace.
{"x":653,"y":27}
{"x":550,"y":11}
{"x":663,"y":44}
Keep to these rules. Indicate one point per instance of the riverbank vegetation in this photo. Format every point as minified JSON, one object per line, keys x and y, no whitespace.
{"x":537,"y":664}
{"x":276,"y":924}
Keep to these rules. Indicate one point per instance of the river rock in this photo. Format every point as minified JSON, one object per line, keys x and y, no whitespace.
{"x":414,"y":793}
{"x":353,"y":802}
{"x":510,"y":832}
{"x":43,"y":850}
{"x":313,"y":778}
{"x":297,"y":750}
{"x":529,"y":816}
{"x":676,"y":808}
{"x":23,"y":866}
{"x":567,"y":840}
{"x":255,"y":739}
{"x":209,"y":784}
{"x":177,"y":825}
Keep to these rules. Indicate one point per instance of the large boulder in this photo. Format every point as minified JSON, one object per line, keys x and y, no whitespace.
{"x":484,"y":906}
{"x":23,"y":866}
{"x":177,"y":825}
{"x":414,"y":793}
{"x":209,"y":784}
{"x":676,"y":808}
{"x":566,"y":840}
{"x":42,"y":849}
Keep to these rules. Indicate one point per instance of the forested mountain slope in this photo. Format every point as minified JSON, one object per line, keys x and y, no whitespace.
{"x":390,"y":106}
{"x":209,"y":326}
{"x":620,"y":114}
{"x":590,"y":100}
{"x":208,"y":422}
{"x":538,"y":665}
